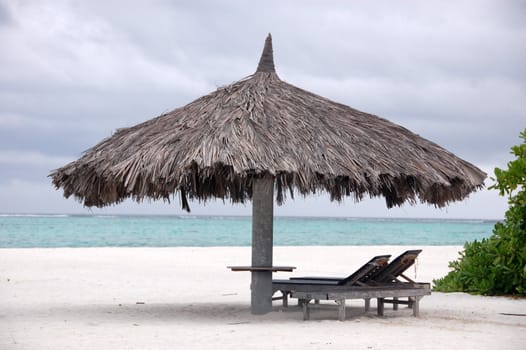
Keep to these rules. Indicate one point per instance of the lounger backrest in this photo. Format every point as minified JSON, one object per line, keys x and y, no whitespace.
{"x":390,"y":272}
{"x":363,"y":273}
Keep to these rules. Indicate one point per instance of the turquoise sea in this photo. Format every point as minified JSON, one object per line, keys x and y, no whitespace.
{"x":30,"y":231}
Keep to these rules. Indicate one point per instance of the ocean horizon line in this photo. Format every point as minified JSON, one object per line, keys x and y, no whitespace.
{"x":206,"y":216}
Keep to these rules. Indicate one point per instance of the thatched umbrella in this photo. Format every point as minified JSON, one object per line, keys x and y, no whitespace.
{"x":258,"y":136}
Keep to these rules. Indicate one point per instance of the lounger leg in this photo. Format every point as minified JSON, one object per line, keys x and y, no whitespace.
{"x":367,"y":304}
{"x":285,"y":298}
{"x":380,"y":302}
{"x":341,"y":309}
{"x":416,"y":307}
{"x":306,"y":311}
{"x":395,"y":304}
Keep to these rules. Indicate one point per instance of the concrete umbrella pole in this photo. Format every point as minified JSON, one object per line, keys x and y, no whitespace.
{"x":262,"y":241}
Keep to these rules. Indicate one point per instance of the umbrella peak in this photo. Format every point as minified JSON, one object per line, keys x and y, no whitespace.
{"x":266,"y":62}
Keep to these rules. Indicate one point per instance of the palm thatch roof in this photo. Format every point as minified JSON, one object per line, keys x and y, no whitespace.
{"x":262,"y":126}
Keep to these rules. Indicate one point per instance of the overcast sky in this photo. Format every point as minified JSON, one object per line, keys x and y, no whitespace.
{"x":72,"y":72}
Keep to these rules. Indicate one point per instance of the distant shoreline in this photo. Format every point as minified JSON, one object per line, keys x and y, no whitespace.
{"x":371,"y":218}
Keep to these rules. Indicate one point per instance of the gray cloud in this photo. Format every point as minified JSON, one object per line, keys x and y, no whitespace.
{"x":73,"y":71}
{"x":5,"y":15}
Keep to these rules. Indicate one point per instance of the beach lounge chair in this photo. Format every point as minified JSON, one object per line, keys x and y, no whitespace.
{"x":385,"y":273}
{"x":392,"y":274}
{"x":359,"y":277}
{"x":397,"y":267}
{"x":381,"y":283}
{"x":371,"y":269}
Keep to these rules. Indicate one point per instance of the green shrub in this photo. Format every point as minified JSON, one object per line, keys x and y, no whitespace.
{"x":497,"y":265}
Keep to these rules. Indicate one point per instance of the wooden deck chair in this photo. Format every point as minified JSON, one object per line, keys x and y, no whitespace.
{"x":390,"y":274}
{"x":396,"y":268}
{"x":380,"y":282}
{"x":359,"y":277}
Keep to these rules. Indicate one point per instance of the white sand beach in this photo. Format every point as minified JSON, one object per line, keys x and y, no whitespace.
{"x":186,"y":298}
